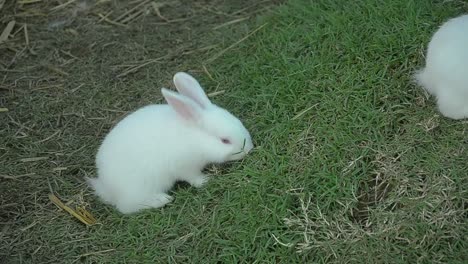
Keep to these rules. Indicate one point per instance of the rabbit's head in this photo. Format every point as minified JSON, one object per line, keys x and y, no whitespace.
{"x":229,"y":139}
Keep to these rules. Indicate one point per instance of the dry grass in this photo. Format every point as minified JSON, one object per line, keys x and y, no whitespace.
{"x":386,"y":208}
{"x":70,"y":70}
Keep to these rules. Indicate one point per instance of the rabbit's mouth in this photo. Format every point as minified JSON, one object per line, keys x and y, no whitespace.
{"x":237,"y":156}
{"x":246,"y":148}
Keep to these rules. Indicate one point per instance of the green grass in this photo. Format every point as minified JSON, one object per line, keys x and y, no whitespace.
{"x":370,"y":173}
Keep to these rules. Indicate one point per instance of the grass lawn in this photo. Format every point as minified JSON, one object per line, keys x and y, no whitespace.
{"x":353,"y":163}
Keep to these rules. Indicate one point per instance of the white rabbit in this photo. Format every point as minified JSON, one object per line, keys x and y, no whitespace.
{"x":149,"y":150}
{"x":446,"y":72}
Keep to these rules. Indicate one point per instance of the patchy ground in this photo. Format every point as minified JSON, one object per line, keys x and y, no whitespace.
{"x":70,"y":70}
{"x":353,"y":163}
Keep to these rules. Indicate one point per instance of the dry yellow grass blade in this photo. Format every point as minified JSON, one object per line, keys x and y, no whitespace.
{"x":62,"y":5}
{"x":33,"y":159}
{"x":25,"y":2}
{"x":132,"y":16}
{"x":57,"y":70}
{"x":231,"y":22}
{"x":103,"y":17}
{"x":303,"y":112}
{"x":6,"y":32}
{"x":133,"y":69}
{"x":135,"y":8}
{"x":86,"y":214}
{"x":26,"y":35}
{"x":235,"y":44}
{"x":156,"y":8}
{"x":81,"y":214}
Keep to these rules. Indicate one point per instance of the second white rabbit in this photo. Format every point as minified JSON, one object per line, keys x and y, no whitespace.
{"x":446,"y":73}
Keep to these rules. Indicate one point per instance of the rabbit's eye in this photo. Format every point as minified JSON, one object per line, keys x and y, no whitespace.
{"x":226,"y":141}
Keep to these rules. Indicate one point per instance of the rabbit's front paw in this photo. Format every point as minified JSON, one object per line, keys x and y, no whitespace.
{"x":198,"y":180}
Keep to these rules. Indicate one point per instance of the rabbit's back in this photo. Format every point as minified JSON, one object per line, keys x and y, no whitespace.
{"x":446,"y":72}
{"x":136,"y":152}
{"x":447,"y":55}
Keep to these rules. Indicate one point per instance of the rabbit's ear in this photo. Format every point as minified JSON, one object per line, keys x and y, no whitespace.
{"x":188,"y":86}
{"x":184,"y":106}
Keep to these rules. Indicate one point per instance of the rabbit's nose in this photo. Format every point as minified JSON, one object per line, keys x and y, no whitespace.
{"x":248,"y":147}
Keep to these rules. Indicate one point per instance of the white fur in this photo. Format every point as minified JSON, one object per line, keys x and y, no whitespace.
{"x":446,"y":72}
{"x":148,"y":151}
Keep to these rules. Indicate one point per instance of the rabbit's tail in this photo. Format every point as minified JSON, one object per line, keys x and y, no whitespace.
{"x":101,"y":189}
{"x":424,"y":79}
